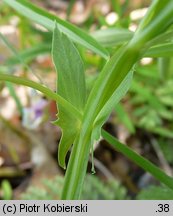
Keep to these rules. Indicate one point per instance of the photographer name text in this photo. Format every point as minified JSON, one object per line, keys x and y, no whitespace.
{"x":46,"y":208}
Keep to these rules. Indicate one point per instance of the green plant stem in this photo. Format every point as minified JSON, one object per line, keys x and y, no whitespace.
{"x":70,"y":8}
{"x":46,"y":91}
{"x":139,"y":160}
{"x":164,"y":67}
{"x":155,"y":22}
{"x":78,"y":161}
{"x":77,"y":165}
{"x":158,"y":18}
{"x":69,"y":191}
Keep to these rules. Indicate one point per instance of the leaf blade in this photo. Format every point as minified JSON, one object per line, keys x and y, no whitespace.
{"x":109,"y":106}
{"x":112,"y":36}
{"x":70,"y":85}
{"x":47,"y":20}
{"x":161,"y":50}
{"x":139,"y":160}
{"x":70,"y":70}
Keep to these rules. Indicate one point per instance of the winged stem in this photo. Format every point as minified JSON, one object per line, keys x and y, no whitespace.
{"x":155,"y":22}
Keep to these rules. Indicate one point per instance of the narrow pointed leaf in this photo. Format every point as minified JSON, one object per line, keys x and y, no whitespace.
{"x":156,"y":21}
{"x":70,"y":125}
{"x":111,"y":103}
{"x":139,"y":160}
{"x":70,"y":70}
{"x":46,"y":19}
{"x":29,"y":54}
{"x":70,"y":85}
{"x":46,"y":91}
{"x":17,"y":56}
{"x":124,"y":118}
{"x":112,"y":36}
{"x":162,"y":50}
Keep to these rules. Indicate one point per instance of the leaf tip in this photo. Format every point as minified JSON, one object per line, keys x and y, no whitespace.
{"x":62,"y":164}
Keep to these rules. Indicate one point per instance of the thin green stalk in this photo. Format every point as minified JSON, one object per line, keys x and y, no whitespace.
{"x":15,"y":97}
{"x":139,"y":160}
{"x":116,"y":6}
{"x":46,"y":91}
{"x":164,"y":66}
{"x":17,"y":56}
{"x":70,"y":8}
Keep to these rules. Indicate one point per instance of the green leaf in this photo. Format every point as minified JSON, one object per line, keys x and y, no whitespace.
{"x":70,"y":85}
{"x":17,"y":56}
{"x":164,"y":67}
{"x":70,"y":70}
{"x":161,"y":38}
{"x":30,"y":53}
{"x":70,"y":125}
{"x":162,"y":132}
{"x":156,"y":21}
{"x":124,"y":118}
{"x":109,"y":106}
{"x":97,"y":106}
{"x":147,"y":95}
{"x":112,"y":36}
{"x":46,"y":91}
{"x":68,"y":110}
{"x":167,"y":148}
{"x":47,"y":20}
{"x":156,"y":193}
{"x":114,"y":73}
{"x":109,"y":80}
{"x":70,"y":8}
{"x":7,"y":190}
{"x":139,"y":160}
{"x":162,"y":50}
